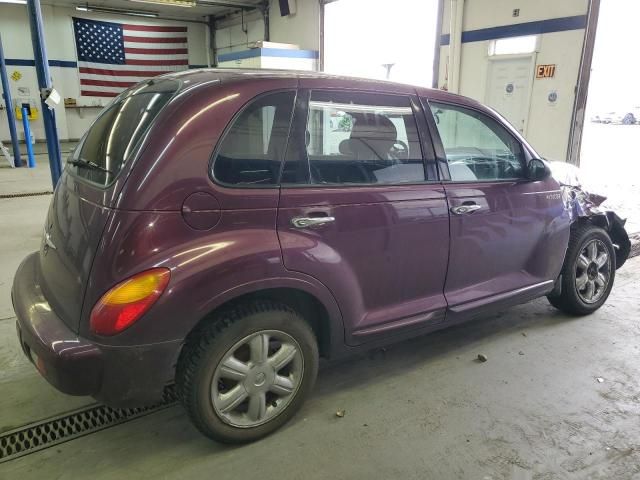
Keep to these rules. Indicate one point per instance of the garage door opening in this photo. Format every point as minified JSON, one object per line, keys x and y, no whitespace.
{"x":609,"y":154}
{"x":381,"y":40}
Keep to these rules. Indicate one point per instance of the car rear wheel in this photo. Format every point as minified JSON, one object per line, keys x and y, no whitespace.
{"x":246,"y":373}
{"x":588,"y":272}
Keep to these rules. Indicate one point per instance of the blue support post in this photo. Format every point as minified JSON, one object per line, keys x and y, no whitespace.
{"x":6,"y":94}
{"x":44,"y":82}
{"x":27,"y":137}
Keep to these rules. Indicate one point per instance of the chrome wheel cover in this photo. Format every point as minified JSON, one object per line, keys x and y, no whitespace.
{"x":257,"y":378}
{"x":593,"y":271}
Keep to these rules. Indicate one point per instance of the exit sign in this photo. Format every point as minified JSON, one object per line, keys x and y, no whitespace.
{"x":545,"y":71}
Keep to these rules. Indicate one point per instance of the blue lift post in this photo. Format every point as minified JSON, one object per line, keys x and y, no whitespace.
{"x":44,"y":82}
{"x":31,"y":162}
{"x":6,"y":94}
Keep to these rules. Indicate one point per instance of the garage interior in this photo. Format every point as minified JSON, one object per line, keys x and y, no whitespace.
{"x":558,"y":397}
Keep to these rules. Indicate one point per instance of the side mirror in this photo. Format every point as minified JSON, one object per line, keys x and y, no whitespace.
{"x":537,"y":170}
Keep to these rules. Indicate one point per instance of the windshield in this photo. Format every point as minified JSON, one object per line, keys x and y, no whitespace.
{"x":114,"y":136}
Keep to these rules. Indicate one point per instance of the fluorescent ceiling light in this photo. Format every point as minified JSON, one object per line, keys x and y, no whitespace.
{"x":136,"y":13}
{"x":18,"y":2}
{"x":169,"y":3}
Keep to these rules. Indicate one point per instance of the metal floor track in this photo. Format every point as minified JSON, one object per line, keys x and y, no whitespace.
{"x":26,"y":194}
{"x":53,"y":431}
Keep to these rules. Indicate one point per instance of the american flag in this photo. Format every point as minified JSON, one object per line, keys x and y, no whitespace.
{"x":114,"y":56}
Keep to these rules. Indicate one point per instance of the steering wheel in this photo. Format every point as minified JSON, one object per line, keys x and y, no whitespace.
{"x":509,"y":169}
{"x":366,"y":175}
{"x":399,"y":150}
{"x":483,"y":167}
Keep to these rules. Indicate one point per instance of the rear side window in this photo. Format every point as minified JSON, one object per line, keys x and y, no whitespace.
{"x":360,"y":138}
{"x":477,"y":147}
{"x":252,"y":149}
{"x":112,"y":139}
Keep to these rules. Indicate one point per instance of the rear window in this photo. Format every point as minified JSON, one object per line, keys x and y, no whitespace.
{"x":113,"y":138}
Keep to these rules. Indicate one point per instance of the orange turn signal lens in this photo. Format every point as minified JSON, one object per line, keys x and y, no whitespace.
{"x":125,"y":303}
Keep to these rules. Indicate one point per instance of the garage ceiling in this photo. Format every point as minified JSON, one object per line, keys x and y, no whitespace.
{"x":201,"y":9}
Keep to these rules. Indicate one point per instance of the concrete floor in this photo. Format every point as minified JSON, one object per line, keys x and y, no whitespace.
{"x":25,"y":396}
{"x":421,"y":409}
{"x":16,"y":181}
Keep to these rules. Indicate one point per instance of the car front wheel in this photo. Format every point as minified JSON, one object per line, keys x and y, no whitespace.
{"x":246,"y":373}
{"x":588,"y":272}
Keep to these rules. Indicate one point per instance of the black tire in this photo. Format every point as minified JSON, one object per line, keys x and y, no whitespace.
{"x":207,"y":347}
{"x":570,"y":300}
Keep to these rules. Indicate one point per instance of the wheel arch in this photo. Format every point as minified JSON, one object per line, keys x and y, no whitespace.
{"x":614,"y":226}
{"x":317,"y":307}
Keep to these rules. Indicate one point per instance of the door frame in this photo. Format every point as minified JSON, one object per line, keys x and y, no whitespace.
{"x":582,"y":88}
{"x":441,"y":157}
{"x":532,"y":69}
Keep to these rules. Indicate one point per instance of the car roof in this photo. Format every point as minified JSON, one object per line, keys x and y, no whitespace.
{"x":202,"y":76}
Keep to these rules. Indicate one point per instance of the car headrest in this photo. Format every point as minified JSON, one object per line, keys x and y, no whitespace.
{"x":372,"y":137}
{"x":346,"y":147}
{"x":374,"y":126}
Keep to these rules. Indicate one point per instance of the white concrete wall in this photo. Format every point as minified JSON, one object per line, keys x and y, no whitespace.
{"x":301,"y":28}
{"x":548,"y":125}
{"x":230,"y":36}
{"x":273,"y":62}
{"x":16,"y":37}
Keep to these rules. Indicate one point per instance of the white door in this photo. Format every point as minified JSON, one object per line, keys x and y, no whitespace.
{"x":509,"y":88}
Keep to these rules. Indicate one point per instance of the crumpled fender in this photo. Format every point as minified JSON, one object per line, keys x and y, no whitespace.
{"x":584,"y":206}
{"x":614,"y":225}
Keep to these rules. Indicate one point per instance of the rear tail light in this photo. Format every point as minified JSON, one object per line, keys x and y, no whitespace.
{"x":125,"y":303}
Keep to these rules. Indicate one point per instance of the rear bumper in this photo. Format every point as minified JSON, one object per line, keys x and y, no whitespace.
{"x":117,"y":376}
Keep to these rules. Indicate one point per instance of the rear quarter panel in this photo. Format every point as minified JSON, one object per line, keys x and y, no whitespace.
{"x":207,"y":268}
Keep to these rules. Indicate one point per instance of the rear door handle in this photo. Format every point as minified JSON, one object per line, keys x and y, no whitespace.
{"x":306,"y":222}
{"x":465,"y":209}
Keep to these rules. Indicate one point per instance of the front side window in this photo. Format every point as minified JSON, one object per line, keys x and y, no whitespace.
{"x":252,"y":149}
{"x":357,"y":138}
{"x":477,"y":147}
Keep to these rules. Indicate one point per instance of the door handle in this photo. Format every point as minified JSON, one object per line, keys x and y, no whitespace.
{"x":465,"y":209}
{"x":306,"y":222}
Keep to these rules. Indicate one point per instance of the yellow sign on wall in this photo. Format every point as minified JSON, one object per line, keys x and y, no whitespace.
{"x":16,"y":75}
{"x":545,"y":71}
{"x":33,"y":113}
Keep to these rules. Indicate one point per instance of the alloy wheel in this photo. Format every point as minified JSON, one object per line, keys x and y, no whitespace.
{"x":593,"y":271}
{"x":257,"y":378}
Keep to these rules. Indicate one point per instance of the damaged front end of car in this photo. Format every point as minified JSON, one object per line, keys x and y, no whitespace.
{"x":584,"y":206}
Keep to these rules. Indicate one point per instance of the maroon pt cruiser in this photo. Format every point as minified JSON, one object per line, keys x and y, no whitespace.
{"x":223,"y":230}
